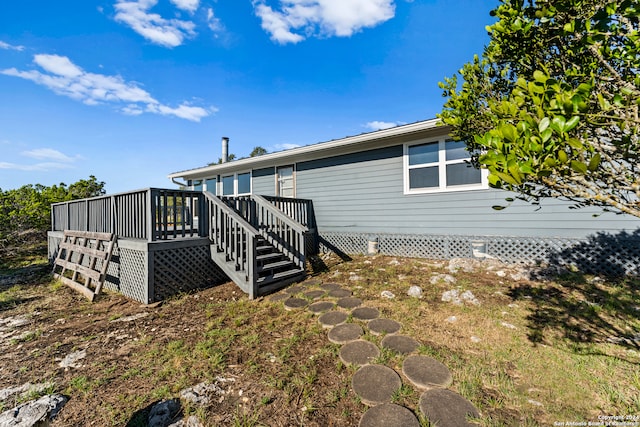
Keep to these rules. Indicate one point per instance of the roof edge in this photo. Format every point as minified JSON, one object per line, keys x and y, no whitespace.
{"x":312,"y":148}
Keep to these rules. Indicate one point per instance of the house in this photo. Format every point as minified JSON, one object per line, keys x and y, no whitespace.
{"x":410,"y":189}
{"x":404,"y":191}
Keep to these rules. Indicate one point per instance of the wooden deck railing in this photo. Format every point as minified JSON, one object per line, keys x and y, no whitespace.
{"x":150,"y":214}
{"x":235,"y":239}
{"x":300,"y":210}
{"x":280,"y":229}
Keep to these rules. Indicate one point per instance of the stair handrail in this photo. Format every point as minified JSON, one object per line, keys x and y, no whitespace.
{"x":292,"y":246}
{"x":228,"y":233}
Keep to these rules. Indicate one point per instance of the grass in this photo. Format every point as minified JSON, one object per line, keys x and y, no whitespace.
{"x":573,"y":337}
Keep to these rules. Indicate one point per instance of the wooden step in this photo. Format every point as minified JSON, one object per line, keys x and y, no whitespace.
{"x":276,"y":265}
{"x":281,"y":276}
{"x":269,"y":256}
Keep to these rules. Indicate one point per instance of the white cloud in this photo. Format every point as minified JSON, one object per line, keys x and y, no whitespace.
{"x":48,"y":154}
{"x":7,"y":46}
{"x":298,"y":19}
{"x":284,"y":146}
{"x":188,"y":5}
{"x":65,"y":78}
{"x":213,"y":22}
{"x":378,"y":125}
{"x":153,"y":27}
{"x":44,"y":167}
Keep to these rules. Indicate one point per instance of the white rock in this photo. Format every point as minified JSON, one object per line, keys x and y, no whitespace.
{"x":72,"y":360}
{"x":387,"y":294}
{"x":415,"y":291}
{"x":394,"y":262}
{"x":452,"y":319}
{"x":475,"y":339}
{"x":467,"y":296}
{"x":508,"y":325}
{"x":34,"y":413}
{"x":447,"y":278}
{"x":501,"y":273}
{"x":452,"y":296}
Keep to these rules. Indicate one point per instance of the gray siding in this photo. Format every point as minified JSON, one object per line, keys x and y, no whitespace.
{"x":263,"y":182}
{"x":363,"y":193}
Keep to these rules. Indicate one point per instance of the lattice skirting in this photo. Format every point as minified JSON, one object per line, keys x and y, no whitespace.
{"x":613,"y":255}
{"x":149,"y":272}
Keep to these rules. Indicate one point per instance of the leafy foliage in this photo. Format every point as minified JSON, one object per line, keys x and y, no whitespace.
{"x":551,"y":107}
{"x":258,"y":151}
{"x":25,"y":212}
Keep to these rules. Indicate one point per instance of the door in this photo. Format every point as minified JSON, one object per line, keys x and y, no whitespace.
{"x":285,"y":186}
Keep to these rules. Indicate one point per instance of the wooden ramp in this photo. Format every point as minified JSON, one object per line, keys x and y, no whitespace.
{"x":77,"y":262}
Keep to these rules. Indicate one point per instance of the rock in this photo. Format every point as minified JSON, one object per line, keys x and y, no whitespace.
{"x":164,"y":413}
{"x":36,"y":412}
{"x":132,"y":317}
{"x":508,"y":325}
{"x":467,"y":296}
{"x":199,"y":394}
{"x":452,"y":296}
{"x":452,"y":319}
{"x":387,"y":294}
{"x":455,"y":297}
{"x":72,"y":360}
{"x":468,"y":265}
{"x":415,"y":292}
{"x":501,"y":273}
{"x":192,"y":421}
{"x":24,"y":389}
{"x":447,"y":278}
{"x":394,"y":262}
{"x":475,"y":339}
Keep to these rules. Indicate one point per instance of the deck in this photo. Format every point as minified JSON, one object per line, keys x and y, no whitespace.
{"x":172,"y":241}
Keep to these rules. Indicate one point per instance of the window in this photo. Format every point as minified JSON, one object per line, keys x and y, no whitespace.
{"x":212,"y":185}
{"x":197,"y":185}
{"x":285,"y":184}
{"x":440,"y":166}
{"x":237,"y":184}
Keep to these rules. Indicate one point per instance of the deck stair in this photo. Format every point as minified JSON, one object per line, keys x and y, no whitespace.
{"x":258,"y":246}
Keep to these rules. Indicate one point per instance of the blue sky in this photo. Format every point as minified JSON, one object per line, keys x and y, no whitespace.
{"x":132,"y":90}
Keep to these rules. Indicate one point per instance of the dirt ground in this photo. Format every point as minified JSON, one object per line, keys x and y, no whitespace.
{"x":528,"y":353}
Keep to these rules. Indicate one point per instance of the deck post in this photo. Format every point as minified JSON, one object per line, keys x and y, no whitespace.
{"x":151,"y":215}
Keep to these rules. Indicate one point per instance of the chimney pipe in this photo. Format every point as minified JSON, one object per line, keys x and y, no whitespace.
{"x":225,"y":149}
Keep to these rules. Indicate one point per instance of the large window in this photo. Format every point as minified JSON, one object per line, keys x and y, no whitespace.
{"x":236,"y":184}
{"x":440,"y":166}
{"x":212,"y":185}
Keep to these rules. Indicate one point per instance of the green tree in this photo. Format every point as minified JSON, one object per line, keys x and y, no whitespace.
{"x":258,"y":151}
{"x":25,"y":213}
{"x":551,"y":107}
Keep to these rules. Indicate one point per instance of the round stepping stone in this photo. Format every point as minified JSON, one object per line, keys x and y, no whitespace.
{"x":389,"y":415}
{"x":345,"y":333}
{"x":383,"y":326}
{"x":349,"y":302}
{"x":314,"y":294}
{"x":400,"y":343}
{"x":375,"y":384}
{"x":295,"y":290}
{"x":359,"y":352}
{"x":425,"y":372}
{"x":365,"y":313}
{"x":312,"y":282}
{"x":332,"y":318}
{"x":340,"y":293}
{"x":295,"y":303}
{"x":320,"y":307}
{"x":330,"y":286}
{"x":279,"y":297}
{"x":446,"y":408}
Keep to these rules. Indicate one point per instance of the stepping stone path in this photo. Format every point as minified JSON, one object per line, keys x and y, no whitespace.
{"x":376,"y":384}
{"x":320,"y":307}
{"x":383,"y":326}
{"x":424,"y":372}
{"x":365,"y":313}
{"x":389,"y":415}
{"x":345,"y":333}
{"x":400,"y":344}
{"x":333,"y":318}
{"x":359,"y":352}
{"x":349,"y":302}
{"x":317,"y":294}
{"x":295,"y":303}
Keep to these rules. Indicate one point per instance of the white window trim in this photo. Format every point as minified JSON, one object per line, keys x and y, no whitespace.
{"x":277,"y":176}
{"x":442,"y":170}
{"x":235,"y":183}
